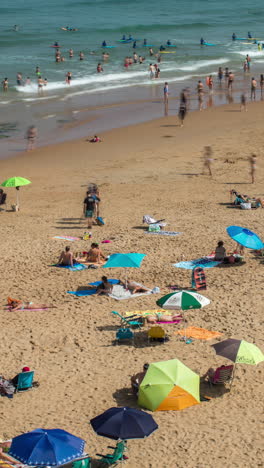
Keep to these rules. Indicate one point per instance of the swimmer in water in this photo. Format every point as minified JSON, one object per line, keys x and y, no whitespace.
{"x":151,"y":52}
{"x":99,"y":68}
{"x":70,"y":53}
{"x":38,"y":71}
{"x":68,"y":78}
{"x":5,"y":84}
{"x":28,"y":81}
{"x":233,"y":37}
{"x":145,"y":42}
{"x":168,"y":43}
{"x":19,"y":79}
{"x":202,"y":41}
{"x":45,"y":82}
{"x":40,"y":85}
{"x":105,"y":56}
{"x":81,"y":56}
{"x":103,"y":44}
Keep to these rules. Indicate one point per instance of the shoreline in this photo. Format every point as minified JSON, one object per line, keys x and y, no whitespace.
{"x":60,"y":121}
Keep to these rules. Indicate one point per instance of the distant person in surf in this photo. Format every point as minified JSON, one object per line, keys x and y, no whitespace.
{"x":99,"y":68}
{"x":5,"y":84}
{"x":253,"y":89}
{"x":200,"y":92}
{"x":28,"y":81}
{"x":68,"y":78}
{"x":209,"y":82}
{"x":81,"y":56}
{"x":104,"y":44}
{"x":40,"y":85}
{"x":220,"y":75}
{"x":19,"y":79}
{"x":230,"y":81}
{"x":166,"y":98}
{"x":243,"y":102}
{"x":70,"y":53}
{"x":202,"y":41}
{"x":31,"y":136}
{"x":233,"y":37}
{"x":248,"y":59}
{"x":38,"y":71}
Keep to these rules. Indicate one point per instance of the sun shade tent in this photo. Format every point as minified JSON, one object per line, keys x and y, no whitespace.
{"x":169,"y":385}
{"x":245,"y":237}
{"x":46,"y":447}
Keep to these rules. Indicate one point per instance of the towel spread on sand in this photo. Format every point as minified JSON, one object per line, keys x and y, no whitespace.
{"x":120,"y":293}
{"x":75,"y":267}
{"x":205,"y":262}
{"x":144,"y":313}
{"x":91,"y":291}
{"x":164,"y":233}
{"x":68,"y":238}
{"x":198,"y":333}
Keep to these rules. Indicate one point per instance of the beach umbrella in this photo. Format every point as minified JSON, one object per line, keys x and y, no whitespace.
{"x":124,"y":260}
{"x":239,"y":351}
{"x":124,"y":423}
{"x":183,"y":300}
{"x":16,"y":182}
{"x":169,"y":385}
{"x":245,"y":237}
{"x":46,"y":447}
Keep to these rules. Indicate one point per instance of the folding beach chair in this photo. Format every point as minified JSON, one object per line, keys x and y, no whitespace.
{"x":222,"y":375}
{"x":25,"y":381}
{"x":116,"y":457}
{"x":131,"y":321}
{"x":156,"y":334}
{"x":124,"y":334}
{"x":82,"y":463}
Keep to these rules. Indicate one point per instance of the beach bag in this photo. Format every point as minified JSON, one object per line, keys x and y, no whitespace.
{"x":245,"y":206}
{"x":100,"y":221}
{"x":154,"y":228}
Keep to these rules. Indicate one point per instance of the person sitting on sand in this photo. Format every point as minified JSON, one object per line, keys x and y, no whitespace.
{"x":66,"y":257}
{"x":104,"y":288}
{"x":220,"y":252}
{"x":95,"y":139}
{"x":15,"y":304}
{"x":134,"y":287}
{"x":138,"y":378}
{"x":95,"y":254}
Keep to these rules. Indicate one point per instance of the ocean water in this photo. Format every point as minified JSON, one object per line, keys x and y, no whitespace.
{"x":182,"y":22}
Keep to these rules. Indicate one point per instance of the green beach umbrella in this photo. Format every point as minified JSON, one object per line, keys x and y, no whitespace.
{"x":183,"y":300}
{"x":169,"y":385}
{"x":16,"y":182}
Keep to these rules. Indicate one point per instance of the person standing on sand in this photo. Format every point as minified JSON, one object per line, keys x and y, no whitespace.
{"x":166,"y":98}
{"x":253,"y":164}
{"x":89,"y":208}
{"x":183,"y":107}
{"x":261,"y":84}
{"x":31,"y":136}
{"x":253,"y":89}
{"x":208,"y":153}
{"x":200,"y":92}
{"x":243,"y":102}
{"x":230,"y":82}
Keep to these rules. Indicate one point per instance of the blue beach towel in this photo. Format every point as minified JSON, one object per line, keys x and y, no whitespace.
{"x":75,"y":267}
{"x":90,"y":292}
{"x":204,"y":262}
{"x":164,"y":233}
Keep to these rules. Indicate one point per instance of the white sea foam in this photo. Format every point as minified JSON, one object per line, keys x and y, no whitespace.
{"x":251,"y":53}
{"x":193,"y":66}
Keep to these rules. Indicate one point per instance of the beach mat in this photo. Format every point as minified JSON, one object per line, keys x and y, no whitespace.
{"x":204,"y":262}
{"x":75,"y":267}
{"x":68,"y":238}
{"x":164,"y":233}
{"x":198,"y":333}
{"x":90,"y":292}
{"x":120,"y":293}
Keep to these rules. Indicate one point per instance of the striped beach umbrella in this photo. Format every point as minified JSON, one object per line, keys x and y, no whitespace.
{"x":182,"y":300}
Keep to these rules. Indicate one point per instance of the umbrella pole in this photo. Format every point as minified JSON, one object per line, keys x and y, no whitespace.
{"x":126,"y":277}
{"x":17,"y":198}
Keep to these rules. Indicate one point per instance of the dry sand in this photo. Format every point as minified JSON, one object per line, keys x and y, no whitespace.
{"x":154,"y":168}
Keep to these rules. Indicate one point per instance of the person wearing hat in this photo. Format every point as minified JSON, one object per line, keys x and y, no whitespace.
{"x":15,"y":379}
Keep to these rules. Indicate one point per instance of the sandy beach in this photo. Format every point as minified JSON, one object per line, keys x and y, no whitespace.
{"x":152,"y":168}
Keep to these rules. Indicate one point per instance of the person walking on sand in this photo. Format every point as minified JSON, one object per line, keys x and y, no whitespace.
{"x":200,"y":92}
{"x":253,"y":89}
{"x":253,"y":164}
{"x":89,"y":208}
{"x":166,"y":98}
{"x":243,"y":102}
{"x":31,"y":136}
{"x":208,"y":153}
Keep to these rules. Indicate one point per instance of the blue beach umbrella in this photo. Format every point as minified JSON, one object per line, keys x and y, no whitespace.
{"x":245,"y":237}
{"x":124,"y":423}
{"x":124,"y":260}
{"x":46,"y":447}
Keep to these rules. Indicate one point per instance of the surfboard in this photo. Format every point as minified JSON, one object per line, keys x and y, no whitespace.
{"x":55,"y":46}
{"x":108,"y":46}
{"x":148,"y":45}
{"x":70,"y":30}
{"x":167,"y":52}
{"x":198,"y":279}
{"x":208,"y":44}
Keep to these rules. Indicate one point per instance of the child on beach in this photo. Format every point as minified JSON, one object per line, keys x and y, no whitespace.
{"x":208,"y":152}
{"x":253,"y":163}
{"x":31,"y":136}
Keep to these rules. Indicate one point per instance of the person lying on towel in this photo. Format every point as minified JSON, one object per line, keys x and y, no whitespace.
{"x":134,"y":287}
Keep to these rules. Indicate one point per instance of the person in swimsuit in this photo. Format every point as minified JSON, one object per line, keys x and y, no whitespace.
{"x":220,"y":252}
{"x":66,"y":257}
{"x":133,"y":287}
{"x":99,"y":68}
{"x":243,"y":102}
{"x":71,"y":53}
{"x":253,"y":89}
{"x":95,"y":254}
{"x":81,"y":56}
{"x":104,"y":288}
{"x":220,"y":75}
{"x":183,"y":107}
{"x":68,"y":78}
{"x":31,"y":136}
{"x":19,"y":79}
{"x":230,"y":81}
{"x":166,"y":98}
{"x":14,"y":304}
{"x":40,"y":85}
{"x":253,"y":165}
{"x":38,"y":71}
{"x":208,"y":159}
{"x":5,"y":84}
{"x":200,"y":92}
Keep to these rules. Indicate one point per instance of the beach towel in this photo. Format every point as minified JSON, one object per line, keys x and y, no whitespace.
{"x":90,"y":292}
{"x":144,"y":313}
{"x":198,"y":333}
{"x":120,"y":293}
{"x":68,"y":238}
{"x":205,"y":262}
{"x":164,"y":233}
{"x":75,"y":267}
